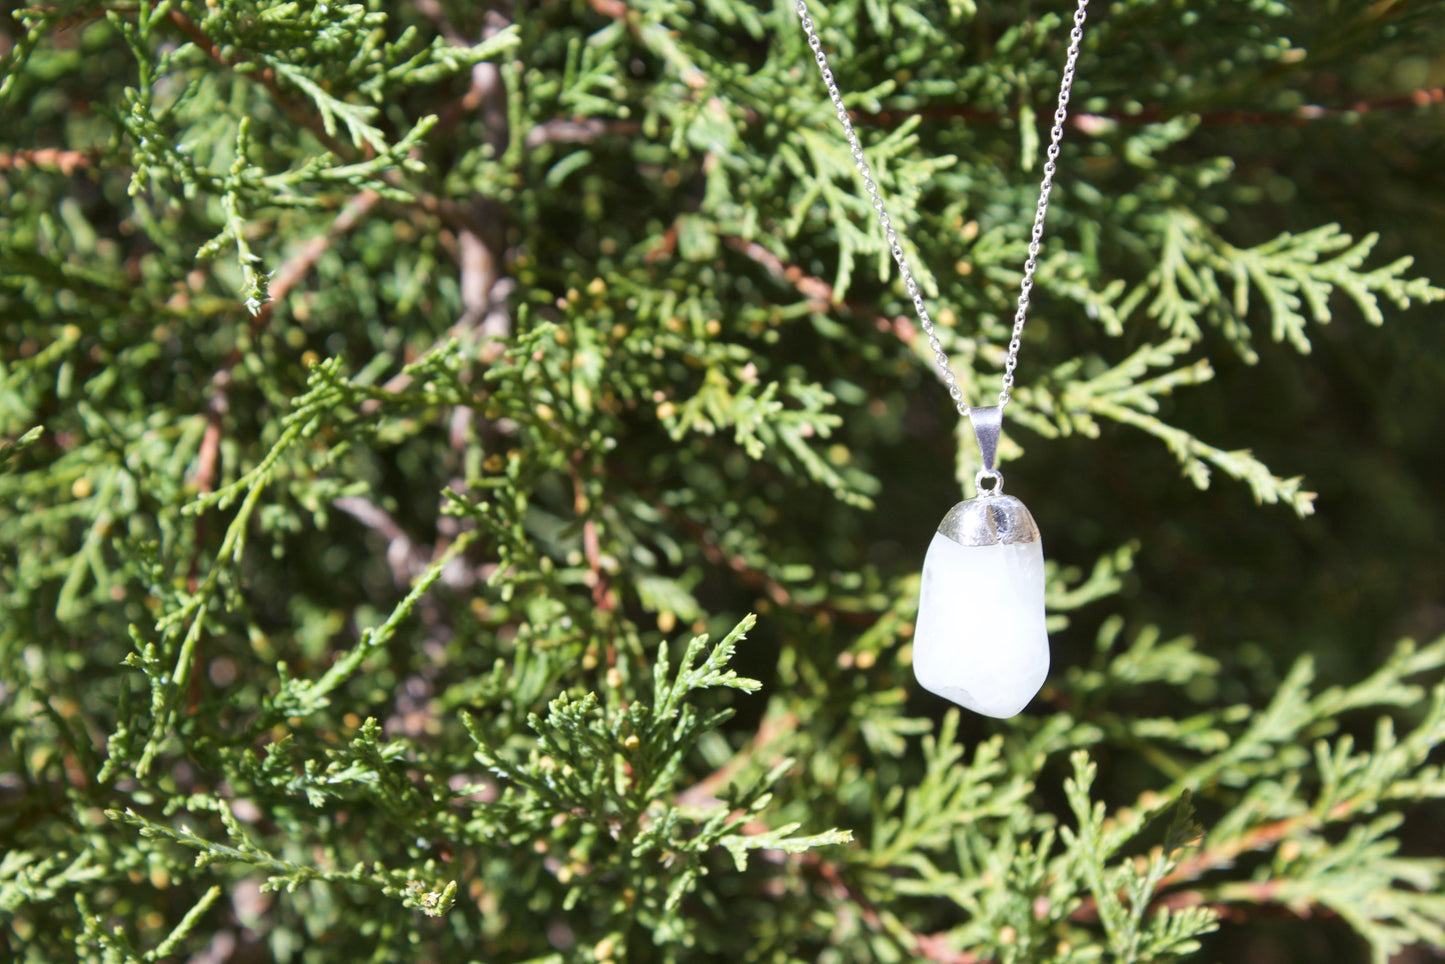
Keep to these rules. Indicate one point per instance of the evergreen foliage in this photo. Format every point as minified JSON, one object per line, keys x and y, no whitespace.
{"x":405,"y":407}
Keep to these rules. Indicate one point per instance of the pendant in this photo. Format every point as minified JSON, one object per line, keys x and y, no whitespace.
{"x":980,"y":639}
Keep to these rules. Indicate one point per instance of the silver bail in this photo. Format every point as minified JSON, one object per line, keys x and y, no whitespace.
{"x":987,"y":426}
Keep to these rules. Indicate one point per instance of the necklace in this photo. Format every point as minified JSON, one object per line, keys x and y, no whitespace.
{"x":980,"y":638}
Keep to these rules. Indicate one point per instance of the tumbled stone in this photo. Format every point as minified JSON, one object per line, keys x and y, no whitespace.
{"x":980,"y":639}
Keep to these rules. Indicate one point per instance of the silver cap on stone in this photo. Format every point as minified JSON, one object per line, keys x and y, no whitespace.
{"x":990,"y":520}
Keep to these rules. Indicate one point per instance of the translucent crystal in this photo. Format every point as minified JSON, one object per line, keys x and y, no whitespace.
{"x":980,"y":639}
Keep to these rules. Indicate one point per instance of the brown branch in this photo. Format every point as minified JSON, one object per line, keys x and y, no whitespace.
{"x":928,"y":947}
{"x":66,"y":162}
{"x":755,"y":578}
{"x":208,"y":456}
{"x":1224,"y":855}
{"x":603,"y":595}
{"x":1092,"y":123}
{"x":567,"y":130}
{"x":404,"y":557}
{"x":665,"y":248}
{"x":616,"y":9}
{"x":481,"y":242}
{"x":821,"y":296}
{"x":934,"y":947}
{"x":466,"y":323}
{"x":433,"y":11}
{"x":773,"y":729}
{"x":1244,"y":901}
{"x":1260,"y":838}
{"x":299,"y":265}
{"x":290,"y":274}
{"x":485,"y":86}
{"x":287,"y":277}
{"x":218,"y":406}
{"x":761,"y":581}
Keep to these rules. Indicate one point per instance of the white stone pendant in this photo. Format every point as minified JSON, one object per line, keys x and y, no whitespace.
{"x":980,"y":638}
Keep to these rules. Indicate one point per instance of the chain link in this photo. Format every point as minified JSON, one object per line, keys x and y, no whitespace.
{"x":1056,"y":135}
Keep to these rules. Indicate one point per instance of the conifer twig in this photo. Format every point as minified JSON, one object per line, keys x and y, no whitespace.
{"x":444,"y":208}
{"x":619,"y":11}
{"x":266,"y":76}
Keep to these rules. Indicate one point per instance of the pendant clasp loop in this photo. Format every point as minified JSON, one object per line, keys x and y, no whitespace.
{"x":987,"y":426}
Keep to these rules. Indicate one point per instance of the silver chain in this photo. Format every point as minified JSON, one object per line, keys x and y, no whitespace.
{"x":1061,"y":114}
